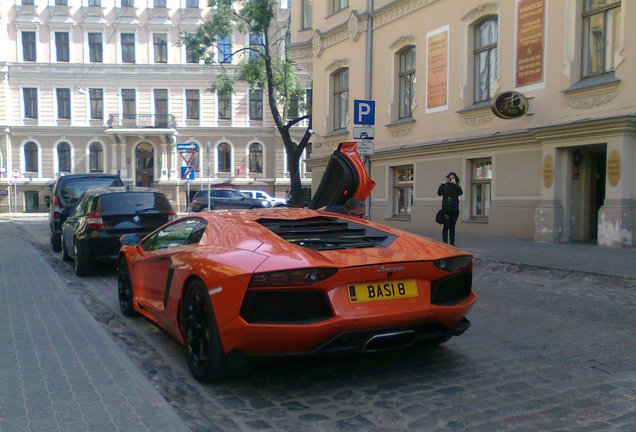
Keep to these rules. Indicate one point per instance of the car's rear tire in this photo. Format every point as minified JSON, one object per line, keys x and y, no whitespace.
{"x":125,"y":288}
{"x":203,"y":349}
{"x":65,"y":255}
{"x":55,"y":242}
{"x":80,"y":262}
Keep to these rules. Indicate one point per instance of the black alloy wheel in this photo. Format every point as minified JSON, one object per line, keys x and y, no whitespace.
{"x":81,"y":263}
{"x":203,"y":349}
{"x":65,"y":255}
{"x":124,"y":288}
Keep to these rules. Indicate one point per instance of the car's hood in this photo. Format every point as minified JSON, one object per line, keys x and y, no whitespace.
{"x":345,"y":177}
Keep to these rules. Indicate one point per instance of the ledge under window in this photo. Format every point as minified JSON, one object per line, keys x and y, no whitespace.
{"x":606,"y":79}
{"x":592,"y":92}
{"x":477,"y":106}
{"x":337,"y":132}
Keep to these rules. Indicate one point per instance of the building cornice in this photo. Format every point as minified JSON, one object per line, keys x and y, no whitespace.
{"x":397,"y":10}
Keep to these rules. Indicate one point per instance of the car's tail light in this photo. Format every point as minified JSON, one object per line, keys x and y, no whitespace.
{"x":94,"y":221}
{"x":287,"y":278}
{"x":453,"y":264}
{"x":56,"y":208}
{"x":171,"y":215}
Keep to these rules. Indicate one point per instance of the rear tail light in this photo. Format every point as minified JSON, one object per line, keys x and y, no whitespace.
{"x":56,"y":208}
{"x":94,"y":221}
{"x":288,"y":278}
{"x":453,"y":264}
{"x":172,"y":215}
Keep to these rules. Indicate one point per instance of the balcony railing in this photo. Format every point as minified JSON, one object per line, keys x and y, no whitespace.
{"x":163,"y":121}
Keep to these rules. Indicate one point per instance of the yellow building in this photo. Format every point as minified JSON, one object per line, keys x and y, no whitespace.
{"x":102,"y":86}
{"x":562,"y":172}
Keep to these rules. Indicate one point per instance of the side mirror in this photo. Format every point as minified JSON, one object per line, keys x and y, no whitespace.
{"x":129,"y":239}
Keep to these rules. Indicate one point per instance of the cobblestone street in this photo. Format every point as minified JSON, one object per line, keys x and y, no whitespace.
{"x":549,"y":350}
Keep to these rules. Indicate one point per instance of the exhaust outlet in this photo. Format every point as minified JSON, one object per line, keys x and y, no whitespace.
{"x":390,"y":340}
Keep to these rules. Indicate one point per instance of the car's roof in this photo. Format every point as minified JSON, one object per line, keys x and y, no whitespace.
{"x":118,"y":190}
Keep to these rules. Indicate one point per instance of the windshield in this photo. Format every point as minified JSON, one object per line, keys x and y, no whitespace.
{"x":134,"y":202}
{"x":73,"y":188}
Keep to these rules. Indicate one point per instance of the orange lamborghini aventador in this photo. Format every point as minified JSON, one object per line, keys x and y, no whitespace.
{"x":293,"y":281}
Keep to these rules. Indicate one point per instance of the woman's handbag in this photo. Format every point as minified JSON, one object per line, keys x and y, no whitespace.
{"x":441,"y":217}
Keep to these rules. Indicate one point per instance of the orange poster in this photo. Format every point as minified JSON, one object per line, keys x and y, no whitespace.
{"x":437,"y":71}
{"x":530,"y":40}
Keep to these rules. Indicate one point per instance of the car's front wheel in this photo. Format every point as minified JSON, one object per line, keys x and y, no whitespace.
{"x":80,"y":262}
{"x":203,"y":349}
{"x":125,"y":288}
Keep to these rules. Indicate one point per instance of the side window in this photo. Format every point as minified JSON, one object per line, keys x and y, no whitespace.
{"x":187,"y":231}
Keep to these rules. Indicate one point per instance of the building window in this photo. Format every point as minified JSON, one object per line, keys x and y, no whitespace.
{"x":256,"y":158}
{"x":127,"y":3}
{"x":61,"y":2}
{"x":30,"y":96}
{"x":192,"y":4}
{"x":306,"y":14}
{"x":192,"y":104}
{"x":129,"y":103}
{"x":292,"y":109}
{"x":161,"y":107}
{"x":161,"y":47}
{"x":63,"y":103}
{"x":31,"y":157}
{"x":402,"y":190}
{"x":95,"y":47}
{"x":225,"y":106}
{"x":256,"y":45}
{"x":63,"y":157}
{"x":601,"y":35}
{"x":28,"y":2}
{"x":191,"y":54}
{"x":340,"y":98}
{"x":256,"y":104}
{"x":94,"y":2}
{"x":96,"y":156}
{"x":338,"y":5}
{"x":407,"y":82}
{"x":224,"y":154}
{"x":61,"y":46}
{"x":486,"y":59}
{"x":481,"y":179}
{"x":128,"y":47}
{"x":160,"y":3}
{"x":97,"y":103}
{"x":224,"y":49}
{"x":28,"y":46}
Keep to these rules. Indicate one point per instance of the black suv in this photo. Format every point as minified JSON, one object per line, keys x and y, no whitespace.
{"x":225,"y":198}
{"x":66,"y":191}
{"x":92,"y":231}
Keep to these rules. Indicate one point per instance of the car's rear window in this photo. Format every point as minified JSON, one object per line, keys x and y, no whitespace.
{"x":73,"y":188}
{"x":134,"y":202}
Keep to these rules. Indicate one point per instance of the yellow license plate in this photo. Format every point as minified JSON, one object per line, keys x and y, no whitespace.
{"x":383,"y":290}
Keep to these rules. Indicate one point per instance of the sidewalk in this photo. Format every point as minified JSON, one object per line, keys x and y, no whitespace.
{"x":582,"y":257}
{"x":60,"y":370}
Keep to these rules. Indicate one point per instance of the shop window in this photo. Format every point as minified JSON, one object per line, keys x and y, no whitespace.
{"x":480,"y":188}
{"x":402,"y":190}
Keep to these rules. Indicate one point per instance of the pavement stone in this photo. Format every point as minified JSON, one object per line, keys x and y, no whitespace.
{"x":60,"y":370}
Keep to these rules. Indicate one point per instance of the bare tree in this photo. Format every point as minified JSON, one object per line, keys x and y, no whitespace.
{"x":263,"y":64}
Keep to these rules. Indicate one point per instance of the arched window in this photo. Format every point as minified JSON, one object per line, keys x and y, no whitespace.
{"x":486,"y":58}
{"x":340,"y":98}
{"x":63,"y":157}
{"x":96,"y":156}
{"x":256,"y":158}
{"x":31,"y":157}
{"x":407,"y":81}
{"x":224,"y":155}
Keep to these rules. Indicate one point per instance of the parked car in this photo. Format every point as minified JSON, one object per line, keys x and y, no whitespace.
{"x":92,"y":231}
{"x":293,"y":281}
{"x":262,"y":195}
{"x":225,"y":198}
{"x":66,"y":191}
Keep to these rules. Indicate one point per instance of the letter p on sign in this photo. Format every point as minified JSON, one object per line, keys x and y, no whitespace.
{"x":364,"y":112}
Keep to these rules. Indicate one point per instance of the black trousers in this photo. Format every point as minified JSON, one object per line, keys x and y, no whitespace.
{"x":448,"y":229}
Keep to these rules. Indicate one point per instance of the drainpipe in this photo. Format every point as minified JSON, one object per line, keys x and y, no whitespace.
{"x":368,"y":88}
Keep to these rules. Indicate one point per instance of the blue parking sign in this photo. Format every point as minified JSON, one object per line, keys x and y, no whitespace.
{"x":187,"y":172}
{"x":363,"y":112}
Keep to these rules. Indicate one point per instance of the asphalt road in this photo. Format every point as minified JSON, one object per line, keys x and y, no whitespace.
{"x":549,"y":350}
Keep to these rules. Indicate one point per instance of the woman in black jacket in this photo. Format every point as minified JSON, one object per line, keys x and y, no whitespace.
{"x":450,"y":191}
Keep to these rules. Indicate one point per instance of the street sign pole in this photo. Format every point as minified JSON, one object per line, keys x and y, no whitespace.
{"x":208,"y":149}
